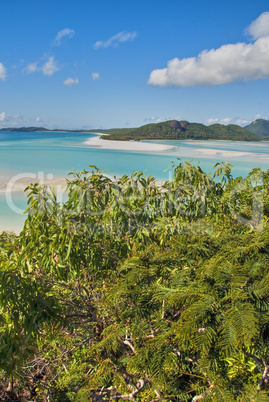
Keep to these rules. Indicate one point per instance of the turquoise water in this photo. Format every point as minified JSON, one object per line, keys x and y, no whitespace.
{"x":57,"y":154}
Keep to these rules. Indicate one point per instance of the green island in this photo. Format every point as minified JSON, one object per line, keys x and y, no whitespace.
{"x":175,"y":130}
{"x":183,"y":130}
{"x":260,"y":127}
{"x":135,"y":290}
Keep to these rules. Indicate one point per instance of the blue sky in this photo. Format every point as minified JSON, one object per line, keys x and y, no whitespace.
{"x":88,"y":64}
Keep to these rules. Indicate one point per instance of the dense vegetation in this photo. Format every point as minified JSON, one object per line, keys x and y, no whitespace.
{"x":40,"y":129}
{"x":173,"y":130}
{"x":259,"y":127}
{"x":135,"y":291}
{"x":182,"y":130}
{"x":29,"y":129}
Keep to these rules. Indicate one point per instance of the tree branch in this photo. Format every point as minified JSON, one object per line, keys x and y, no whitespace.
{"x":265,"y":377}
{"x":128,"y":397}
{"x":128,"y":343}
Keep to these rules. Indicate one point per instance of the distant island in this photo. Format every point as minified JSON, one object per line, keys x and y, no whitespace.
{"x":183,"y":130}
{"x":259,"y":127}
{"x":42,"y":129}
{"x":174,"y":130}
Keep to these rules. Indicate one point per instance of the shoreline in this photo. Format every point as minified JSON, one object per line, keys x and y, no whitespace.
{"x":141,"y":146}
{"x":97,"y":142}
{"x":17,"y":184}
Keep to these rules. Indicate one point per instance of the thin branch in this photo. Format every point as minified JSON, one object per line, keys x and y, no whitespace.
{"x":163,"y":310}
{"x":129,"y":397}
{"x":128,"y":343}
{"x":265,"y":377}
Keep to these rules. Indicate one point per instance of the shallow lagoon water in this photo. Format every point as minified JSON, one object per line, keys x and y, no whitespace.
{"x":54,"y":155}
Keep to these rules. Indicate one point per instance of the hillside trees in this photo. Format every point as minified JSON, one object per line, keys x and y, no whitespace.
{"x":180,"y":130}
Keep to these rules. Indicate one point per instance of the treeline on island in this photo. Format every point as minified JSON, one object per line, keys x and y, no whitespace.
{"x":260,"y":127}
{"x":132,"y":290}
{"x":176,"y":130}
{"x":183,"y":130}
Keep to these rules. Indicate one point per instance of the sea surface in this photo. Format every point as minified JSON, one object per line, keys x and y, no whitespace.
{"x":54,"y":155}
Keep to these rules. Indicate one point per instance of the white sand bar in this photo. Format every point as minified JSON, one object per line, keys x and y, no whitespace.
{"x":18,"y":183}
{"x":207,"y":153}
{"x":127,"y":145}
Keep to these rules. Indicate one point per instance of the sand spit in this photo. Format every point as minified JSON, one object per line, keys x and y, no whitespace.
{"x":18,"y":183}
{"x":97,"y":142}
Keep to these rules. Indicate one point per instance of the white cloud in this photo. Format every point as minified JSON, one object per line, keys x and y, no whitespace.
{"x":2,"y":72}
{"x":3,"y":116}
{"x":48,"y":68}
{"x":154,"y":119}
{"x":225,"y":121}
{"x":16,"y":120}
{"x":31,"y":68}
{"x":95,"y":76}
{"x":212,"y":121}
{"x":116,"y":39}
{"x":245,"y":121}
{"x":69,"y":82}
{"x":242,"y":122}
{"x":229,"y":63}
{"x":159,"y":119}
{"x":66,"y":33}
{"x":234,"y":120}
{"x":259,"y":116}
{"x":9,"y":120}
{"x":259,"y":27}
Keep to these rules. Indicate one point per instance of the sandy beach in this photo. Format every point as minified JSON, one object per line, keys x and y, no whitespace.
{"x":141,"y":146}
{"x":221,"y":154}
{"x":207,"y":152}
{"x":127,"y":145}
{"x":13,"y":201}
{"x":18,"y":183}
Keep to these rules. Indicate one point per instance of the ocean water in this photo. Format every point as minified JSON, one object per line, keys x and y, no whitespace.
{"x":54,"y":155}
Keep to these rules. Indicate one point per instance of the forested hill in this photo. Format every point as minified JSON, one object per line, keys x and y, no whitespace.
{"x":182,"y":130}
{"x":259,"y":127}
{"x":176,"y":130}
{"x":23,"y":129}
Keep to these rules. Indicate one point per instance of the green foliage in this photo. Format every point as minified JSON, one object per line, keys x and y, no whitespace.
{"x":183,"y":130}
{"x":259,"y":127}
{"x":28,"y":129}
{"x":134,"y":291}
